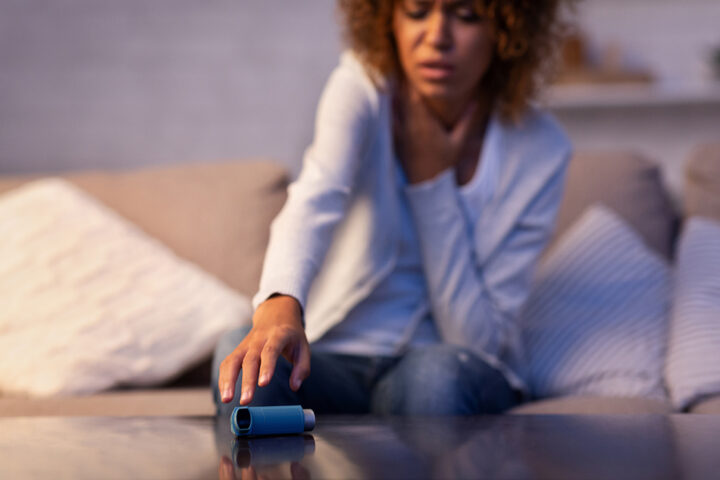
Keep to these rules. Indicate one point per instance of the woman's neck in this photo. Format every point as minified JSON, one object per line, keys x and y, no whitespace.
{"x":449,"y":113}
{"x":450,"y":110}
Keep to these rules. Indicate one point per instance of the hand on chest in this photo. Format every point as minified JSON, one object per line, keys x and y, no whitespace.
{"x":426,"y":145}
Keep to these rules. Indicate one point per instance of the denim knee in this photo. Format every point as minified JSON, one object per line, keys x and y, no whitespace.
{"x":440,"y":380}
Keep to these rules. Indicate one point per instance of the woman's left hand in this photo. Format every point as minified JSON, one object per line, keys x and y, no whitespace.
{"x":425,"y":146}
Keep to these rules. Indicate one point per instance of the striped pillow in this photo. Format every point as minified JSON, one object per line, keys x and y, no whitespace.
{"x":693,"y":364}
{"x":596,"y":319}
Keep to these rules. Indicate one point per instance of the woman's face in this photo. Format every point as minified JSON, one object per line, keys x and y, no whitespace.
{"x":444,"y":47}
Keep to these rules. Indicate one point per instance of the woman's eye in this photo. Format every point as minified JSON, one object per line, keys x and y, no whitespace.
{"x":467,"y":14}
{"x":416,"y":13}
{"x":416,"y":10}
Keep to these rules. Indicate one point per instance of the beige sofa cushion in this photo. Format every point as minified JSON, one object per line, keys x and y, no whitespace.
{"x":593,"y":405}
{"x":217,"y":215}
{"x":630,"y":185}
{"x":702,"y":182}
{"x":123,"y":403}
{"x":710,"y":405}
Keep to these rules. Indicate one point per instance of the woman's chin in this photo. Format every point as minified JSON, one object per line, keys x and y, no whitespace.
{"x":438,"y":95}
{"x":434,"y":92}
{"x":438,"y":91}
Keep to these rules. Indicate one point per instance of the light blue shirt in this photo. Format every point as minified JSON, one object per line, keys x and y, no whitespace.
{"x":340,"y":234}
{"x":396,"y":315}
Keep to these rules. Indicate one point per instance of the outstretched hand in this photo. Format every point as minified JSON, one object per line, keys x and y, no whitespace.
{"x":277,"y":330}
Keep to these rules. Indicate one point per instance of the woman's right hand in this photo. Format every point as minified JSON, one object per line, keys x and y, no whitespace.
{"x":277,"y":330}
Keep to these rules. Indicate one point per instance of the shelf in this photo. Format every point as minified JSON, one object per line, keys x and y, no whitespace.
{"x":571,"y":97}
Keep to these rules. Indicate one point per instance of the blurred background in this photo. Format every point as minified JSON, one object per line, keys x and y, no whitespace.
{"x":114,"y":84}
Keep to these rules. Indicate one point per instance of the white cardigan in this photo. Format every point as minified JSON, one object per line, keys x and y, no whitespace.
{"x":336,"y":236}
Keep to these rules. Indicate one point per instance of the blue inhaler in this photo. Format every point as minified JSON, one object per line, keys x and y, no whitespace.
{"x":280,"y":420}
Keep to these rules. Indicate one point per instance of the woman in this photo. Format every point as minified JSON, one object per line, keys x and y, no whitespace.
{"x":406,"y":246}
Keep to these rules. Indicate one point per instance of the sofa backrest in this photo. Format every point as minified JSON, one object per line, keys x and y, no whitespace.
{"x":702,"y":182}
{"x":216,"y":215}
{"x":627,"y":183}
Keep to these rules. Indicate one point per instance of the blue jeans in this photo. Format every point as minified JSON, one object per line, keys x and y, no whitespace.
{"x":435,"y":380}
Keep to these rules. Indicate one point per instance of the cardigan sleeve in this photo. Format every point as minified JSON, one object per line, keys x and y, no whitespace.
{"x":301,"y":233}
{"x":475,"y":301}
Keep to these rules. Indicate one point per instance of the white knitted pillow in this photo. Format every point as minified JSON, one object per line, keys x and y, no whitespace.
{"x":89,"y":301}
{"x":596,"y":319}
{"x":693,"y":365}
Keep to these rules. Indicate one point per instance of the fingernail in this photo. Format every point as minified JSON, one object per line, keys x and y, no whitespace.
{"x":227,"y":467}
{"x":264,"y":378}
{"x":226,"y":395}
{"x":296,"y":383}
{"x":245,"y":395}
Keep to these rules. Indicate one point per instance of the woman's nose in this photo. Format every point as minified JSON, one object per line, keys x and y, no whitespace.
{"x":439,"y":31}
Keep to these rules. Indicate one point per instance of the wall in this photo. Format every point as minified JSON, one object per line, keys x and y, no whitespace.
{"x":106,"y":83}
{"x":668,"y":119}
{"x":670,"y":37}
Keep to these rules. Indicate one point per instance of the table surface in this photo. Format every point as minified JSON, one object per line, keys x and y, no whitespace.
{"x":512,"y":446}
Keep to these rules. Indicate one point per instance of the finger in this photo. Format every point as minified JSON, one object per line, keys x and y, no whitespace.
{"x":415,"y":102}
{"x":418,"y":102}
{"x":298,"y":472}
{"x":398,"y":129}
{"x":229,"y":371}
{"x":248,"y":473}
{"x":465,"y":123}
{"x":397,"y":110}
{"x":419,"y":113}
{"x":401,"y":107}
{"x":226,"y":471}
{"x":301,"y":366}
{"x":268,"y":358}
{"x":401,"y":113}
{"x":250,"y":366}
{"x":401,"y":92}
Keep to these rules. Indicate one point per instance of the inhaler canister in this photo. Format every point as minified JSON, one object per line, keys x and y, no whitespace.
{"x":278,"y":420}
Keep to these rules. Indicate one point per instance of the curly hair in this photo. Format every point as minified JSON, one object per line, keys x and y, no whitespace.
{"x":527,"y":36}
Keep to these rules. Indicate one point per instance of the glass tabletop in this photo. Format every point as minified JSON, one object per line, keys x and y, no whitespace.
{"x":511,"y":446}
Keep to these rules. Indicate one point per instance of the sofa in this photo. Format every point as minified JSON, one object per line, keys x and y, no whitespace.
{"x":217,"y":216}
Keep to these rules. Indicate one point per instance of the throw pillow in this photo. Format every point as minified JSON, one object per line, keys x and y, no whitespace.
{"x":91,"y":302}
{"x":702,"y":182}
{"x":595,"y":322}
{"x":693,"y":364}
{"x":629,"y":185}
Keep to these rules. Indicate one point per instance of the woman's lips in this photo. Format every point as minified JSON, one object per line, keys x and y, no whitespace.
{"x":436,"y":70}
